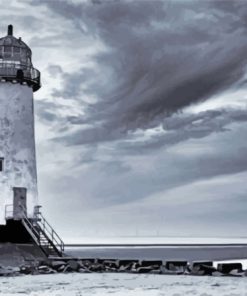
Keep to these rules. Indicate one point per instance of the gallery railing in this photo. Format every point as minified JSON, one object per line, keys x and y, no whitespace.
{"x":20,"y":72}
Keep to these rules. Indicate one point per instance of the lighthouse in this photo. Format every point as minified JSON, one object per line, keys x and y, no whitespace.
{"x":18,"y":81}
{"x":21,"y":221}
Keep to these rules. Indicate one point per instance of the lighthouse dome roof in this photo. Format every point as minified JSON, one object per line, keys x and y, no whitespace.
{"x":13,"y":41}
{"x":16,"y":61}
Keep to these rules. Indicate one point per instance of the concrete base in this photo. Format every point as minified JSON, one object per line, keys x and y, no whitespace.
{"x":20,"y":254}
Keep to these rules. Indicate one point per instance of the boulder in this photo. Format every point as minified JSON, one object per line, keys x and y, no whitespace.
{"x":73,"y":265}
{"x":124,"y":268}
{"x":110,"y":264}
{"x":57,"y":263}
{"x":208,"y":270}
{"x":96,"y":267}
{"x":205,"y":263}
{"x":176,"y":265}
{"x":227,"y":267}
{"x":155,"y":263}
{"x":27,"y":269}
{"x":60,"y":268}
{"x":134,"y":267}
{"x":142,"y":269}
{"x":177,"y":270}
{"x":236,"y":272}
{"x":202,"y":270}
{"x":196,"y":270}
{"x":125,"y":262}
{"x":44,"y":269}
{"x":126,"y":265}
{"x":84,"y":270}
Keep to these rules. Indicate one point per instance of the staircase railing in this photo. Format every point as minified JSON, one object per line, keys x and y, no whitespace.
{"x":48,"y":229}
{"x":31,"y":229}
{"x":43,"y":226}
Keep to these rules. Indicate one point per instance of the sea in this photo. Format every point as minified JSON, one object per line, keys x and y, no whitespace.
{"x":185,"y":249}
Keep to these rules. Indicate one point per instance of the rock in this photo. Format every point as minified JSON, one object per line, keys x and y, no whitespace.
{"x":96,"y":267}
{"x":206,"y":263}
{"x":227,"y":267}
{"x":85,"y":263}
{"x":178,"y":267}
{"x":66,"y":269}
{"x":236,"y":272}
{"x":43,"y":269}
{"x":60,"y":268}
{"x":134,"y":267}
{"x":82,"y":264}
{"x":125,"y":262}
{"x":196,"y":270}
{"x":113,"y":264}
{"x":57,"y":263}
{"x":155,"y":264}
{"x":201,"y":269}
{"x":174,"y":267}
{"x":126,"y":265}
{"x":124,"y":268}
{"x":27,"y":269}
{"x":177,"y":270}
{"x":82,"y":270}
{"x":147,"y":269}
{"x":73,"y":265}
{"x":208,"y":270}
{"x":163,"y":269}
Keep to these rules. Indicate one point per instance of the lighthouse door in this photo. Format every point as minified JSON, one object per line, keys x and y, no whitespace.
{"x":20,"y":202}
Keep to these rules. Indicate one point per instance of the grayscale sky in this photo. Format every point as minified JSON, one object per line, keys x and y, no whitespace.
{"x":141,"y":120}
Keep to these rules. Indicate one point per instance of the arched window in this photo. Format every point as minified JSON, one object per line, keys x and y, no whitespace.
{"x":7,"y":51}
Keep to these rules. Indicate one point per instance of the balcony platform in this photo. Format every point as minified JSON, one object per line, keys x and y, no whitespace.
{"x":18,"y":73}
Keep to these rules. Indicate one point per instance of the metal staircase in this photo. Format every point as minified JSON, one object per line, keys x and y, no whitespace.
{"x":42,"y":234}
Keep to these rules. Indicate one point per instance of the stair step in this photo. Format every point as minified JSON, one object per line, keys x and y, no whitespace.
{"x":43,"y":237}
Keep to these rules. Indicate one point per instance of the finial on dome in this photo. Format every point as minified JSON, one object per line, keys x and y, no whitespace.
{"x":10,"y":30}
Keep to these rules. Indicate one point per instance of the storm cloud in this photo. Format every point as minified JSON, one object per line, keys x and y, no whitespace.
{"x":159,"y":57}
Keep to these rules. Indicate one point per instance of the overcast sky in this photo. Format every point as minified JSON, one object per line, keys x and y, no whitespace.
{"x":141,"y":119}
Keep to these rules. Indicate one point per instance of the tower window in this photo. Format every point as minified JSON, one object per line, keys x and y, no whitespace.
{"x":17,"y":50}
{"x":1,"y":164}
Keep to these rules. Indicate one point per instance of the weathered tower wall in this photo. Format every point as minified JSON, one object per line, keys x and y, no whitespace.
{"x":17,"y":145}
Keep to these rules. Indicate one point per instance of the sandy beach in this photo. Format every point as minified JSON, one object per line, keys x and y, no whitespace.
{"x":121,"y":285}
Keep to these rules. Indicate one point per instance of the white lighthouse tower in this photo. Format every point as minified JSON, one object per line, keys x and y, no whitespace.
{"x":18,"y":80}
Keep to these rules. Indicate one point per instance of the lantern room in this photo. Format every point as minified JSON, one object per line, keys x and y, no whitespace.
{"x":16,"y":62}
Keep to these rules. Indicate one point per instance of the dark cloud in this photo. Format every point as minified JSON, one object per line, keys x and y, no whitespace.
{"x":162,"y":56}
{"x":176,"y":128}
{"x":182,"y":127}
